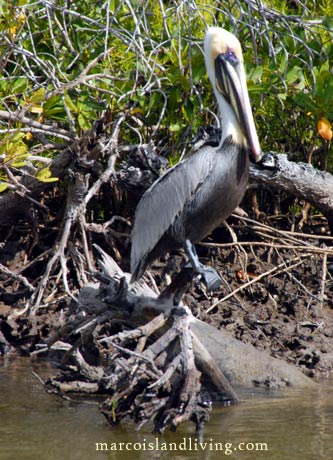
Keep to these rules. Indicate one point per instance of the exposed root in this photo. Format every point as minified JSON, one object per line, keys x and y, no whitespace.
{"x":149,"y":371}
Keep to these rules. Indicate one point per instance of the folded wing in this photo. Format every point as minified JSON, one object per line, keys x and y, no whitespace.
{"x":166,"y":199}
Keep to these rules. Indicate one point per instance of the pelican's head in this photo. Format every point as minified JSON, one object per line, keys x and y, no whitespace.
{"x":224,"y":63}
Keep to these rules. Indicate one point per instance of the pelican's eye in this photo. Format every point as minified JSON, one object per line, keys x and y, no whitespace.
{"x":231,"y":57}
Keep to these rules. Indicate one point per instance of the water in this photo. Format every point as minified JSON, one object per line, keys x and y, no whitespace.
{"x":275,"y":426}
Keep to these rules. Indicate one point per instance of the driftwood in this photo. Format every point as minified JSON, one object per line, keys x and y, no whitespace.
{"x":299,"y":179}
{"x":155,"y":361}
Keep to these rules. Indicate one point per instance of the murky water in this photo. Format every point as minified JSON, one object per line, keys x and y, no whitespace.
{"x":281,"y":426}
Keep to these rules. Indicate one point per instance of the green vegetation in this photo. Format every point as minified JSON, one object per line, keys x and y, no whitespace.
{"x":63,"y":64}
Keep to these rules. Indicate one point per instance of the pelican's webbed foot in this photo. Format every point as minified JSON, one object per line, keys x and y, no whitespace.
{"x":209,"y":275}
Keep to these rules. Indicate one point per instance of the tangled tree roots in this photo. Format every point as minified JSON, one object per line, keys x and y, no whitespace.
{"x":139,"y":349}
{"x":155,"y":380}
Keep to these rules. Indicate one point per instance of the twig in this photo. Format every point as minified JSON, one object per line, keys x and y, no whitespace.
{"x":16,"y":276}
{"x":309,"y":249}
{"x":112,"y":147}
{"x":323,"y":279}
{"x":74,"y":200}
{"x":17,"y":117}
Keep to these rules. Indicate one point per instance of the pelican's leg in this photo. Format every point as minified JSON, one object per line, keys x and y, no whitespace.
{"x":193,"y":256}
{"x":210,"y":276}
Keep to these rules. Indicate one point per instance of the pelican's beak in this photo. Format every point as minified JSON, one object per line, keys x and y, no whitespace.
{"x":231,"y":83}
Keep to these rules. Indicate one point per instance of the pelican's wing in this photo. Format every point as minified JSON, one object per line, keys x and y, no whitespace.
{"x":164,"y":201}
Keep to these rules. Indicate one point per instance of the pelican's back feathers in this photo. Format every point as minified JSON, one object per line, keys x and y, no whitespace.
{"x":163,"y":202}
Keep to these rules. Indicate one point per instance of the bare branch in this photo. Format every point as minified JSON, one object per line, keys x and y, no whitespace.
{"x":17,"y":117}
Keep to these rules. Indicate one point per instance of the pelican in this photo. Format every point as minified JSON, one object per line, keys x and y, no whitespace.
{"x":195,"y":196}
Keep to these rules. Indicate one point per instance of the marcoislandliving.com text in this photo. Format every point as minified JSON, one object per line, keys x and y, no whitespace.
{"x":185,"y":444}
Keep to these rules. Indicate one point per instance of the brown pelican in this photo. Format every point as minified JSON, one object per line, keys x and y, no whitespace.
{"x":192,"y":198}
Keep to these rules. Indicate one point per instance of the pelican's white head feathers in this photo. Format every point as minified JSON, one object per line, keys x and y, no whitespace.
{"x":224,"y":64}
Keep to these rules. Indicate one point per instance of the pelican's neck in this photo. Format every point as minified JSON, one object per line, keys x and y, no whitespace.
{"x":230,"y":124}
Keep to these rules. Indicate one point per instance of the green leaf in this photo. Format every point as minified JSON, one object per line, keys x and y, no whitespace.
{"x":19,"y":85}
{"x":37,"y":97}
{"x":255,"y":75}
{"x":3,"y":186}
{"x":70,"y":104}
{"x":44,"y":175}
{"x":83,"y":122}
{"x":305,"y":102}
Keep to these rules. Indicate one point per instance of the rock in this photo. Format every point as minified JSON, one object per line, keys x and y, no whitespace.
{"x":244,"y":365}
